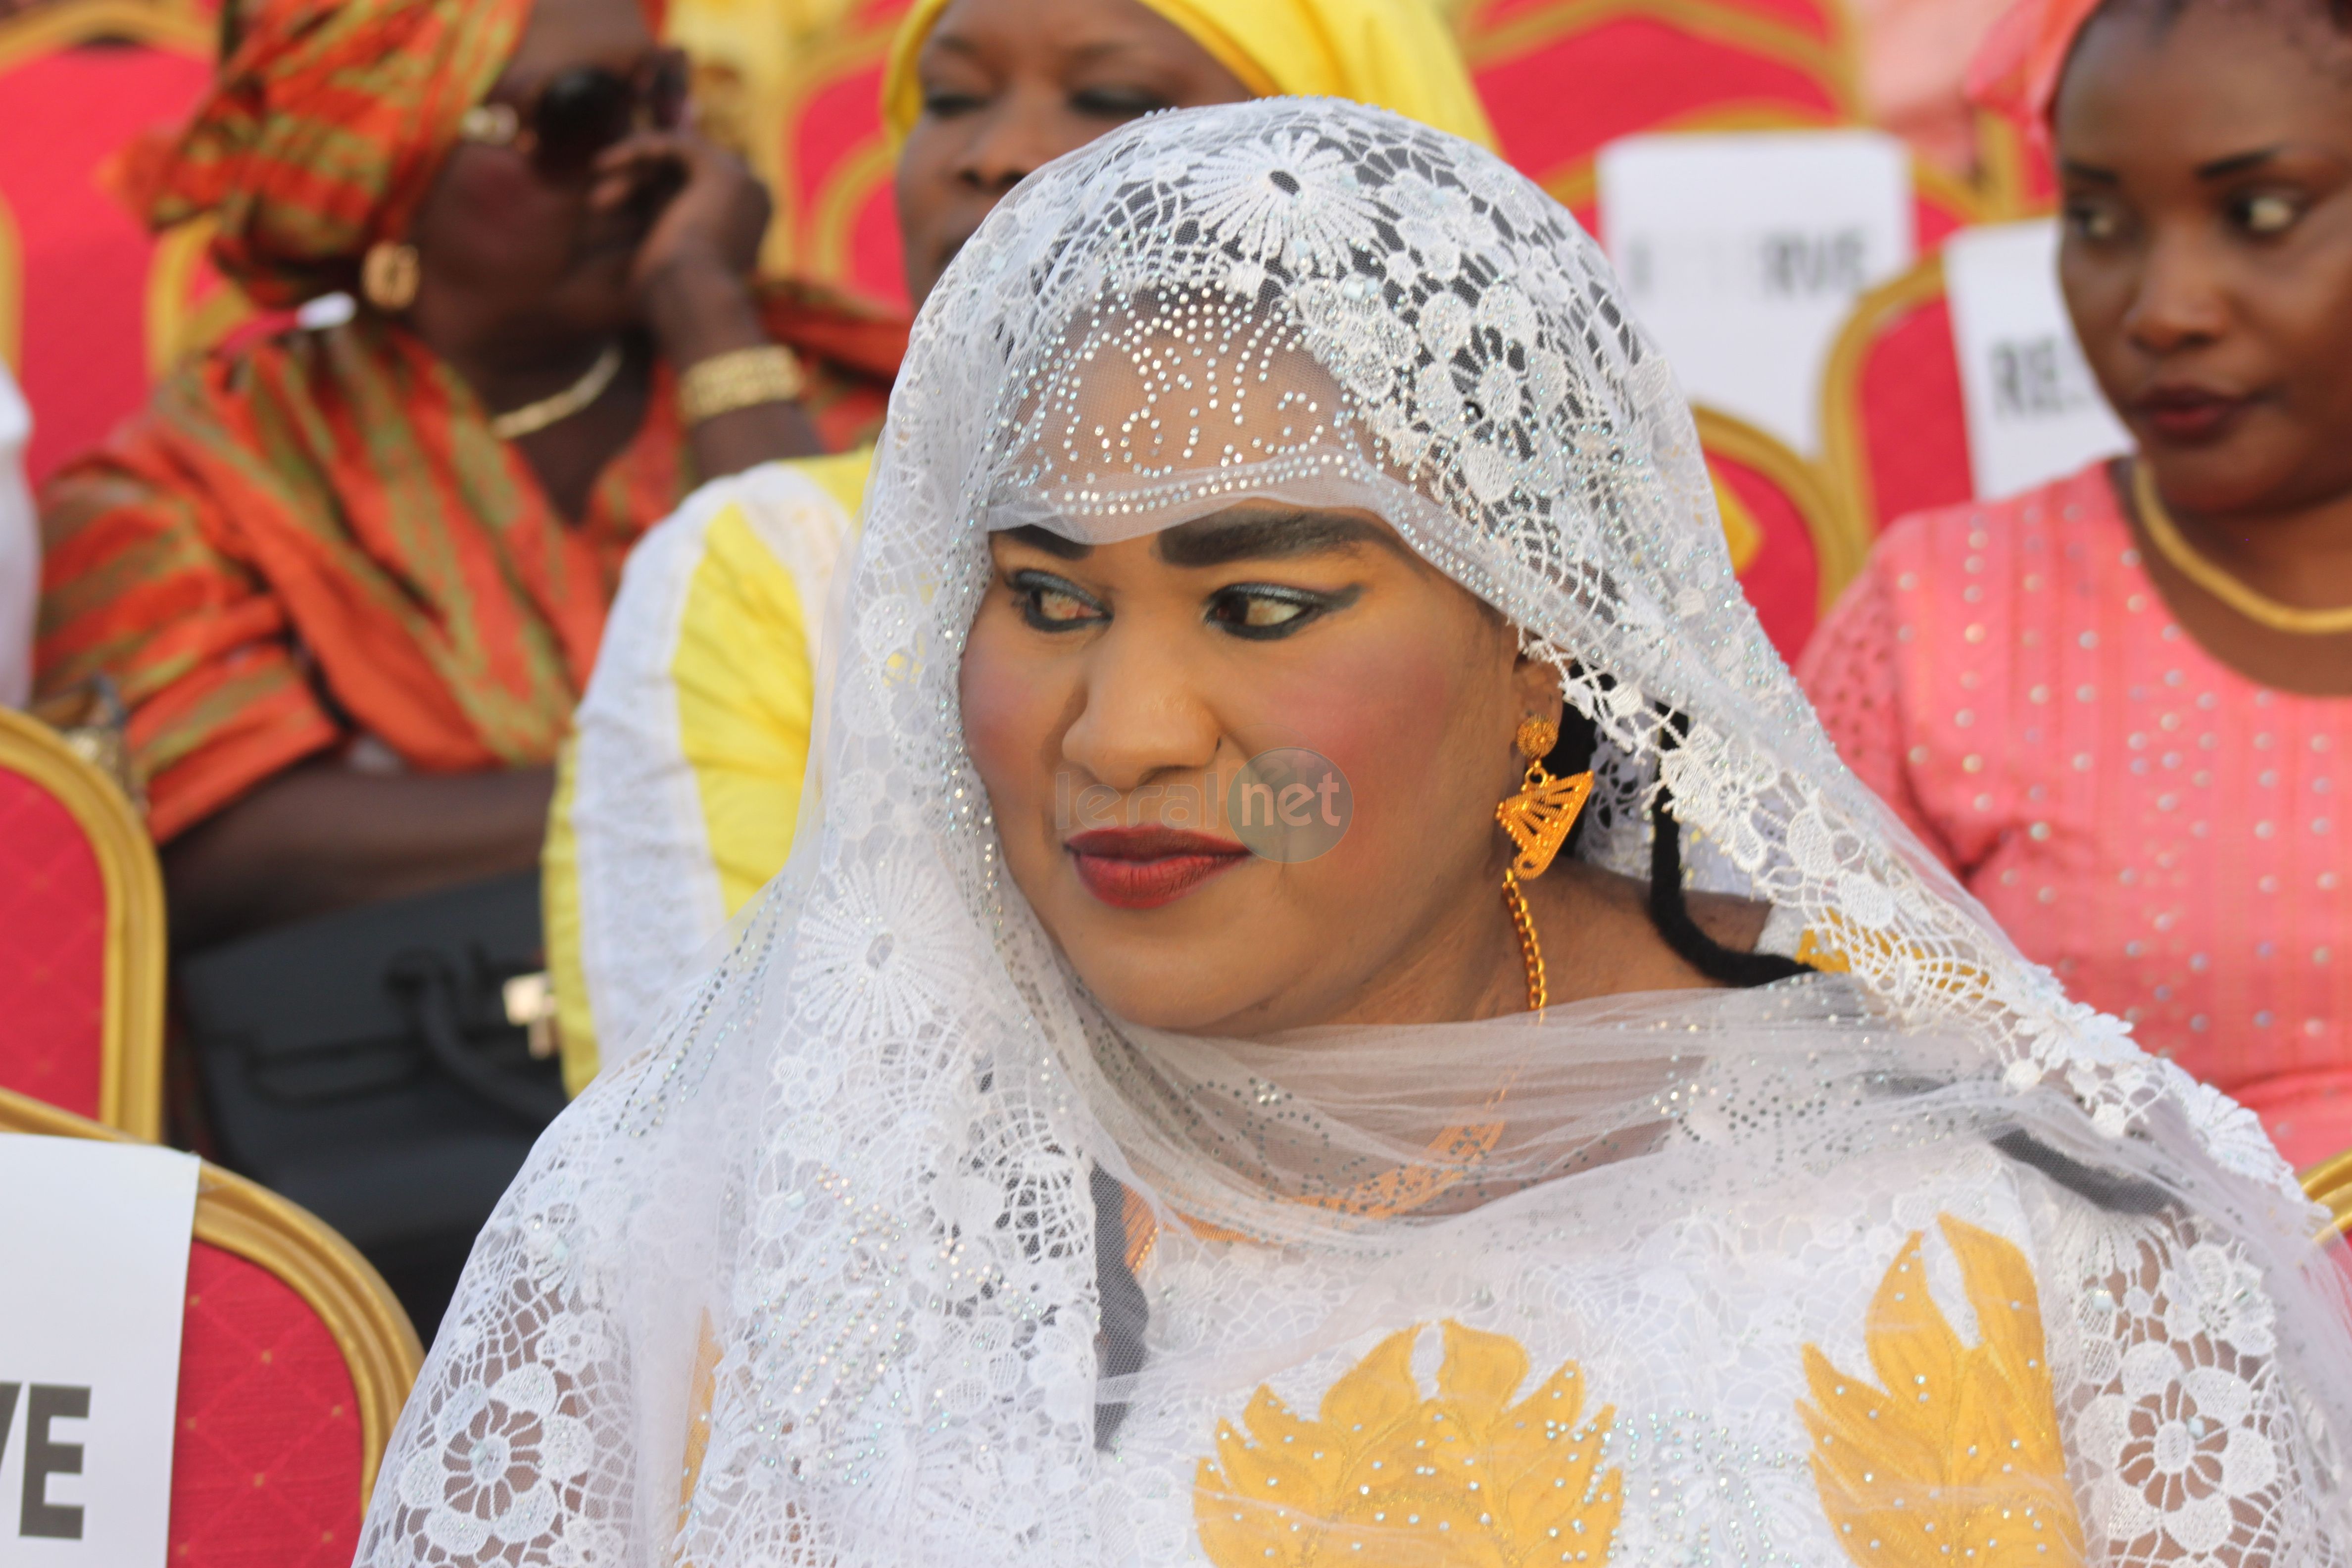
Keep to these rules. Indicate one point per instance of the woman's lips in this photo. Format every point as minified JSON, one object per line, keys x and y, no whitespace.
{"x":2189,"y":416}
{"x":1144,"y":867}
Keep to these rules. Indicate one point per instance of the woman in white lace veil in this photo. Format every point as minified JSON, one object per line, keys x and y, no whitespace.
{"x":1011,"y":1196}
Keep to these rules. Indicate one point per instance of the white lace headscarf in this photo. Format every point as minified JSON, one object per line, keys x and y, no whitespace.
{"x":829,"y":1272}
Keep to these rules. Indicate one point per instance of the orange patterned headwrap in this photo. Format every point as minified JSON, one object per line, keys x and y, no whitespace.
{"x":322,"y":132}
{"x":2024,"y":58}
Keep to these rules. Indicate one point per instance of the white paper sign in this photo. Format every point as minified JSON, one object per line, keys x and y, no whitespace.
{"x":1743,"y":254}
{"x":2034,"y":412}
{"x":95,"y":1242}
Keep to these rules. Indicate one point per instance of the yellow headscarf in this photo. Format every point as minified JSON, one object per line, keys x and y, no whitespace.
{"x":1390,"y":54}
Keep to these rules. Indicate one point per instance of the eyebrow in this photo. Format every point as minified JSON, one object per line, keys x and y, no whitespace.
{"x":1083,"y":54}
{"x":1270,"y":536}
{"x":2237,"y":164}
{"x":1052,"y":544}
{"x":1254,"y":536}
{"x":2219,"y":168}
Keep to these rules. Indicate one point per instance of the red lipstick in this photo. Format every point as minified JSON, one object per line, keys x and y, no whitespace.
{"x":2186,"y":415}
{"x":1144,"y":867}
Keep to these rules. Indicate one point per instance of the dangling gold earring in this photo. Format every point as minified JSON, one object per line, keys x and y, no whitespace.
{"x":1538,"y":819}
{"x":389,"y":276}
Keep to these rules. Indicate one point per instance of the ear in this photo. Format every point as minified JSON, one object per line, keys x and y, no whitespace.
{"x":1535,"y":684}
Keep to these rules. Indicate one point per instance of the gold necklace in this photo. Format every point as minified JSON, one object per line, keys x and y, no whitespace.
{"x":2258,"y":607}
{"x":1523,"y":922}
{"x":533,"y":417}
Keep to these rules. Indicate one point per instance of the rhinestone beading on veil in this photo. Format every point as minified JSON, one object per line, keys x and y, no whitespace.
{"x":853,"y":1176}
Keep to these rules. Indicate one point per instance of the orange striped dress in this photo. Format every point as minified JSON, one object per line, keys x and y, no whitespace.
{"x":315,"y":538}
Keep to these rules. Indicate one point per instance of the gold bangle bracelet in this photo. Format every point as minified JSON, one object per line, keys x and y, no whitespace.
{"x":740,"y":378}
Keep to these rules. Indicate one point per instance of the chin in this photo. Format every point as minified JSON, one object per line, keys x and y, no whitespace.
{"x":1166,"y":979}
{"x":2245,"y":472}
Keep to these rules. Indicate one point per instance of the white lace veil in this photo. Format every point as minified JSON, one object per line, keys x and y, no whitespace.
{"x":837,"y":1268}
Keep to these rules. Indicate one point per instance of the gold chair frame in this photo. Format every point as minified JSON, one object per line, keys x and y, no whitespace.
{"x":2329,"y":1182}
{"x":130,"y":1070}
{"x":1834,"y":62}
{"x":378,"y":1345}
{"x":168,"y":24}
{"x":1845,"y":455}
{"x":1839,"y":552}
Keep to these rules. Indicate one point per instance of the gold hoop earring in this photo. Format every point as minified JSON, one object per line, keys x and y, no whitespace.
{"x":389,"y":276}
{"x":1538,"y":819}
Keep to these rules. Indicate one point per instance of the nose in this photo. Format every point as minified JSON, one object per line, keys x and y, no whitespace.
{"x":2179,"y":301}
{"x":1142,"y":716}
{"x":1012,"y":140}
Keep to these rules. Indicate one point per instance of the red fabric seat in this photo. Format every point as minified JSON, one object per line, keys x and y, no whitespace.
{"x":833,"y":202}
{"x":1895,"y":428}
{"x":1790,"y":543}
{"x":1668,"y":64}
{"x":81,"y":936}
{"x":91,"y":74}
{"x":294,"y":1363}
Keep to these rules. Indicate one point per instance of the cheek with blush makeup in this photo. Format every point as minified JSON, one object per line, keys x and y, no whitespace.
{"x":1114,"y":749}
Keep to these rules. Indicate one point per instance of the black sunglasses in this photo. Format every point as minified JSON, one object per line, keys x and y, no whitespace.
{"x":582,"y":111}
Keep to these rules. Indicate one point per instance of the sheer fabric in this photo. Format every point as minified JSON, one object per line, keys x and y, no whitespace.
{"x":891,"y":1248}
{"x":2156,"y":827}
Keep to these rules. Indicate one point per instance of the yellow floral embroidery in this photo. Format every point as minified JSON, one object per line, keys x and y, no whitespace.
{"x":1958,"y":1459}
{"x":1465,"y":1479}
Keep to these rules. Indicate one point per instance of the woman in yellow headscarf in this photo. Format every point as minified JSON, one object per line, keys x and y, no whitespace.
{"x":677,"y":800}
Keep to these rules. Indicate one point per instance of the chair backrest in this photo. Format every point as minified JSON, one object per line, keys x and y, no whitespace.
{"x":836,"y":222}
{"x":1895,"y":428}
{"x":1795,"y":549}
{"x":81,"y":936}
{"x":294,"y":1363}
{"x":90,"y":74}
{"x":1671,"y":65}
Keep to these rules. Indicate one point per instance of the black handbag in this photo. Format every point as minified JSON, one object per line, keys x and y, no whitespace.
{"x":368,"y":1064}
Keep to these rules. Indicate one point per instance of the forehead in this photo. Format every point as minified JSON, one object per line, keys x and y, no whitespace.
{"x":2212,"y":81}
{"x":1182,"y":382}
{"x":1146,"y":412}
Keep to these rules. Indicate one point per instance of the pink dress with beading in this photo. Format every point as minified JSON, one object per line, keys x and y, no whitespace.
{"x":2166,"y":834}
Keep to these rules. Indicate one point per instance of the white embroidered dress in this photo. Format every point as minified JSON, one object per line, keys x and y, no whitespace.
{"x":892,"y":1248}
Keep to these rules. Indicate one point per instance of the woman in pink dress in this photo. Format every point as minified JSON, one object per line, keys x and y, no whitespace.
{"x":2116,"y":705}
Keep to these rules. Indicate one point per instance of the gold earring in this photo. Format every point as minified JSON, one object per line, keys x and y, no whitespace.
{"x":1540,"y":817}
{"x":389,"y":275}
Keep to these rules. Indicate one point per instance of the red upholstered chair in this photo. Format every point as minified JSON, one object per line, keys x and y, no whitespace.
{"x":294,"y":1363}
{"x":1895,"y":431}
{"x":90,"y":74}
{"x":81,"y":936}
{"x":834,"y":213}
{"x":1720,"y":65}
{"x":1793,"y":546}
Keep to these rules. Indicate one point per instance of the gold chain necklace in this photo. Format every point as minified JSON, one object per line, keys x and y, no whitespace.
{"x":2257,"y":607}
{"x":1523,"y":922}
{"x":533,"y":417}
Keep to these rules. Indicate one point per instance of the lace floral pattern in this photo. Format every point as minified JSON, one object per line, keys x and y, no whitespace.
{"x":864,"y":1150}
{"x":2180,"y":1419}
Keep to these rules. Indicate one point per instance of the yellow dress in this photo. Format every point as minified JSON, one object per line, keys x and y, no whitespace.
{"x":677,"y":796}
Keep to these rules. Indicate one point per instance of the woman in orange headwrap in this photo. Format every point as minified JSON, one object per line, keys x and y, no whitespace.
{"x":350,"y":579}
{"x":2116,"y":704}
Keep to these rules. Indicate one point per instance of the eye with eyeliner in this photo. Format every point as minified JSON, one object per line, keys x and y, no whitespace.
{"x":1265,"y":611}
{"x":1052,"y":603}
